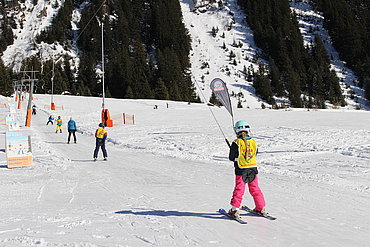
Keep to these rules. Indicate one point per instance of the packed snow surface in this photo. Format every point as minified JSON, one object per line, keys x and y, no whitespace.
{"x":167,"y":175}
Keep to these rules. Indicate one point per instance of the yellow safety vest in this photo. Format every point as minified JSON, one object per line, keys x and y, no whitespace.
{"x":247,"y":153}
{"x":100,"y":132}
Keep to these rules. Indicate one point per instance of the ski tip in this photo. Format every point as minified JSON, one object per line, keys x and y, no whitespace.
{"x":251,"y":211}
{"x":223,"y":211}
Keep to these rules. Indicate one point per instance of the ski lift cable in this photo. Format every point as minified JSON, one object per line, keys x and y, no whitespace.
{"x":90,"y":20}
{"x":214,"y":117}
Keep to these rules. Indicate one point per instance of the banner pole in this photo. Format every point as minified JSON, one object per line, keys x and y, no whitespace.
{"x":214,"y":117}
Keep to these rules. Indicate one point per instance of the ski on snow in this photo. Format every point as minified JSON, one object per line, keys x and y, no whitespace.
{"x":245,"y":208}
{"x":223,"y":211}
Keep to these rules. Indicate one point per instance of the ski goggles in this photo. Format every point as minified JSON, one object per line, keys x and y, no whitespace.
{"x":242,"y":128}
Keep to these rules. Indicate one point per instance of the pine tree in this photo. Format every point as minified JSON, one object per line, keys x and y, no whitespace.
{"x":293,"y":87}
{"x":60,"y":82}
{"x":334,"y":93}
{"x":175,"y":93}
{"x":239,"y":105}
{"x":213,"y":100}
{"x":367,"y":89}
{"x":119,"y":72}
{"x":68,"y":73}
{"x":274,"y":76}
{"x":129,"y":93}
{"x":140,"y":83}
{"x":331,"y":88}
{"x":350,"y":34}
{"x":61,"y":29}
{"x":276,"y":32}
{"x":86,"y":76}
{"x":6,"y":88}
{"x":262,"y":85}
{"x":170,"y":31}
{"x":319,"y":54}
{"x":161,"y":91}
{"x":6,"y":37}
{"x":214,"y":32}
{"x":178,"y":83}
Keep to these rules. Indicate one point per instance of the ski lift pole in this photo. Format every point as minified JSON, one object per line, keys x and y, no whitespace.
{"x":102,"y":61}
{"x":30,"y":96}
{"x":105,"y":112}
{"x":52,"y":105}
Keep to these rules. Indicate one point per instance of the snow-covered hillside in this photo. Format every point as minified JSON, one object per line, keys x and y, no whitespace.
{"x":167,"y":175}
{"x":312,"y":23}
{"x":210,"y":55}
{"x":31,"y":19}
{"x":210,"y":59}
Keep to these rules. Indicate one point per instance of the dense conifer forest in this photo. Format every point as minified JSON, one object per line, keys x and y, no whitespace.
{"x":147,"y":47}
{"x":6,"y":38}
{"x":293,"y":69}
{"x":348,"y":22}
{"x":146,"y":50}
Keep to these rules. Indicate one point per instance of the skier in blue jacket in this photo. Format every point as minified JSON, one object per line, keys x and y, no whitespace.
{"x":72,"y":130}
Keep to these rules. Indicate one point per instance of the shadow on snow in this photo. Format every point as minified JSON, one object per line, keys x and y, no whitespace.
{"x":165,"y":213}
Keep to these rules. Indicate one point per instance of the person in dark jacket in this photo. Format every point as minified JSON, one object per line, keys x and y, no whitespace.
{"x":33,"y":110}
{"x":100,"y":135}
{"x":72,"y":130}
{"x":50,"y":120}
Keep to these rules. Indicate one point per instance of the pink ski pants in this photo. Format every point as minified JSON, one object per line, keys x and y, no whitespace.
{"x":254,"y":190}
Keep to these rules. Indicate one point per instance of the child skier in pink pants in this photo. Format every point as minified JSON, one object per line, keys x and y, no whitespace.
{"x":243,"y":152}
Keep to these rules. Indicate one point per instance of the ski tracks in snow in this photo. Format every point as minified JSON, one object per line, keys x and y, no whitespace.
{"x":346,"y":147}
